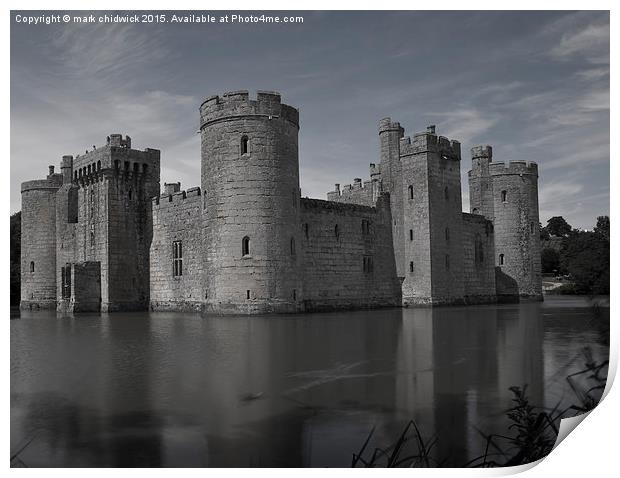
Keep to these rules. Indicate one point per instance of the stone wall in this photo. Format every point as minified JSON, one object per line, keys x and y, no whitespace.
{"x":38,"y":242}
{"x":347,"y":256}
{"x":478,"y":259}
{"x":177,"y":217}
{"x":86,"y":285}
{"x":363,"y":193}
{"x":517,"y":231}
{"x":250,"y":182}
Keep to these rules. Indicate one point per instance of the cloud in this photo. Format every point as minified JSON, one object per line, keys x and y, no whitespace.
{"x":466,"y":124}
{"x":592,"y":73}
{"x":591,"y":40}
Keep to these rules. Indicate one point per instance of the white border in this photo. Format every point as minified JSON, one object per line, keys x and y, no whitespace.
{"x":590,"y":451}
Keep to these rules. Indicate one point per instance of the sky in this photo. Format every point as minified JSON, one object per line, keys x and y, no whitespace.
{"x":534,"y":85}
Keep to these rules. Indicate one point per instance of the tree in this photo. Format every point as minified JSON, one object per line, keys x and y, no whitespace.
{"x":544,"y":234}
{"x":550,"y":260}
{"x":557,"y":226}
{"x":15,"y":261}
{"x":602,"y":226}
{"x":585,"y":256}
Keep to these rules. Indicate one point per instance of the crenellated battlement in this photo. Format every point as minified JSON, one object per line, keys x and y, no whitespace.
{"x":117,"y":140}
{"x":179,"y":197}
{"x":513,"y":167}
{"x":482,"y":151}
{"x":117,"y":157}
{"x":52,"y":182}
{"x":386,"y":124}
{"x":237,"y":104}
{"x":429,"y":142}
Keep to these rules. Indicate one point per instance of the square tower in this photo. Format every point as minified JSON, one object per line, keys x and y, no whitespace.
{"x":432,"y":219}
{"x":115,"y":184}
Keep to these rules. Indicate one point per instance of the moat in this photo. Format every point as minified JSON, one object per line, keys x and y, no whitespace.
{"x":173,"y":389}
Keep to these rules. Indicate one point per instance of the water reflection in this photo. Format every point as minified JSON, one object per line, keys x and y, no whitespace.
{"x":180,"y":390}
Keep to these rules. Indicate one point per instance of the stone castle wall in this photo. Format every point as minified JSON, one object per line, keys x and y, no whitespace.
{"x":250,"y":244}
{"x":478,"y":244}
{"x":177,"y":217}
{"x":347,"y":258}
{"x":38,"y":251}
{"x":250,"y":181}
{"x":517,"y":231}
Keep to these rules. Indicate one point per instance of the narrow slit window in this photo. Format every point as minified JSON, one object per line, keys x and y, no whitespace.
{"x":447,"y":233}
{"x":410,"y":189}
{"x":446,"y":193}
{"x":411,"y":266}
{"x":247,"y":294}
{"x":447,"y":262}
{"x":504,"y":196}
{"x":411,"y":234}
{"x":336,"y":232}
{"x":177,"y":258}
{"x":244,"y":144}
{"x":245,"y":246}
{"x":501,"y":259}
{"x":306,"y":230}
{"x":292,"y":246}
{"x":31,"y":266}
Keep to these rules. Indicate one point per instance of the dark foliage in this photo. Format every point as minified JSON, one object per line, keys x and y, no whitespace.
{"x":602,"y":226}
{"x":550,"y":259}
{"x":557,"y":226}
{"x":544,"y":234}
{"x":585,"y":256}
{"x":15,"y":245}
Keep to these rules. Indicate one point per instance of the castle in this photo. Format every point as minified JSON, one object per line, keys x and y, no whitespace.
{"x":101,"y":235}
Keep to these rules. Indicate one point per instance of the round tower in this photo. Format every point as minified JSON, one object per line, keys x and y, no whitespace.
{"x":480,"y":189}
{"x":517,"y":234}
{"x":38,"y":242}
{"x":250,"y":179}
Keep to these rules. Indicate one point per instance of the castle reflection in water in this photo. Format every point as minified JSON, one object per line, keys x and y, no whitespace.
{"x":180,"y":390}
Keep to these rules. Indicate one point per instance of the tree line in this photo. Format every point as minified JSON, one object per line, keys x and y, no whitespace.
{"x":582,"y":256}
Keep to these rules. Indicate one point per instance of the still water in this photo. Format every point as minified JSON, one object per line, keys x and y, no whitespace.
{"x":171,"y":389}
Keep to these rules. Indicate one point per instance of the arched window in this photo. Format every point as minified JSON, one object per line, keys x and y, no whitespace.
{"x":501,"y":259}
{"x":31,"y":266}
{"x":244,"y":144}
{"x":447,"y":233}
{"x":504,"y":196}
{"x":475,"y":211}
{"x":411,"y":234}
{"x":336,"y":232}
{"x":446,"y":193}
{"x":245,"y":246}
{"x":410,"y":189}
{"x":292,"y":246}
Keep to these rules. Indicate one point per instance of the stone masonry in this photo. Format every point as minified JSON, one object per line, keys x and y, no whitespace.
{"x":102,"y":236}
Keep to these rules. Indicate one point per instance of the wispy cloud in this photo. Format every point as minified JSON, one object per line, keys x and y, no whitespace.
{"x":591,"y":41}
{"x":466,"y":124}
